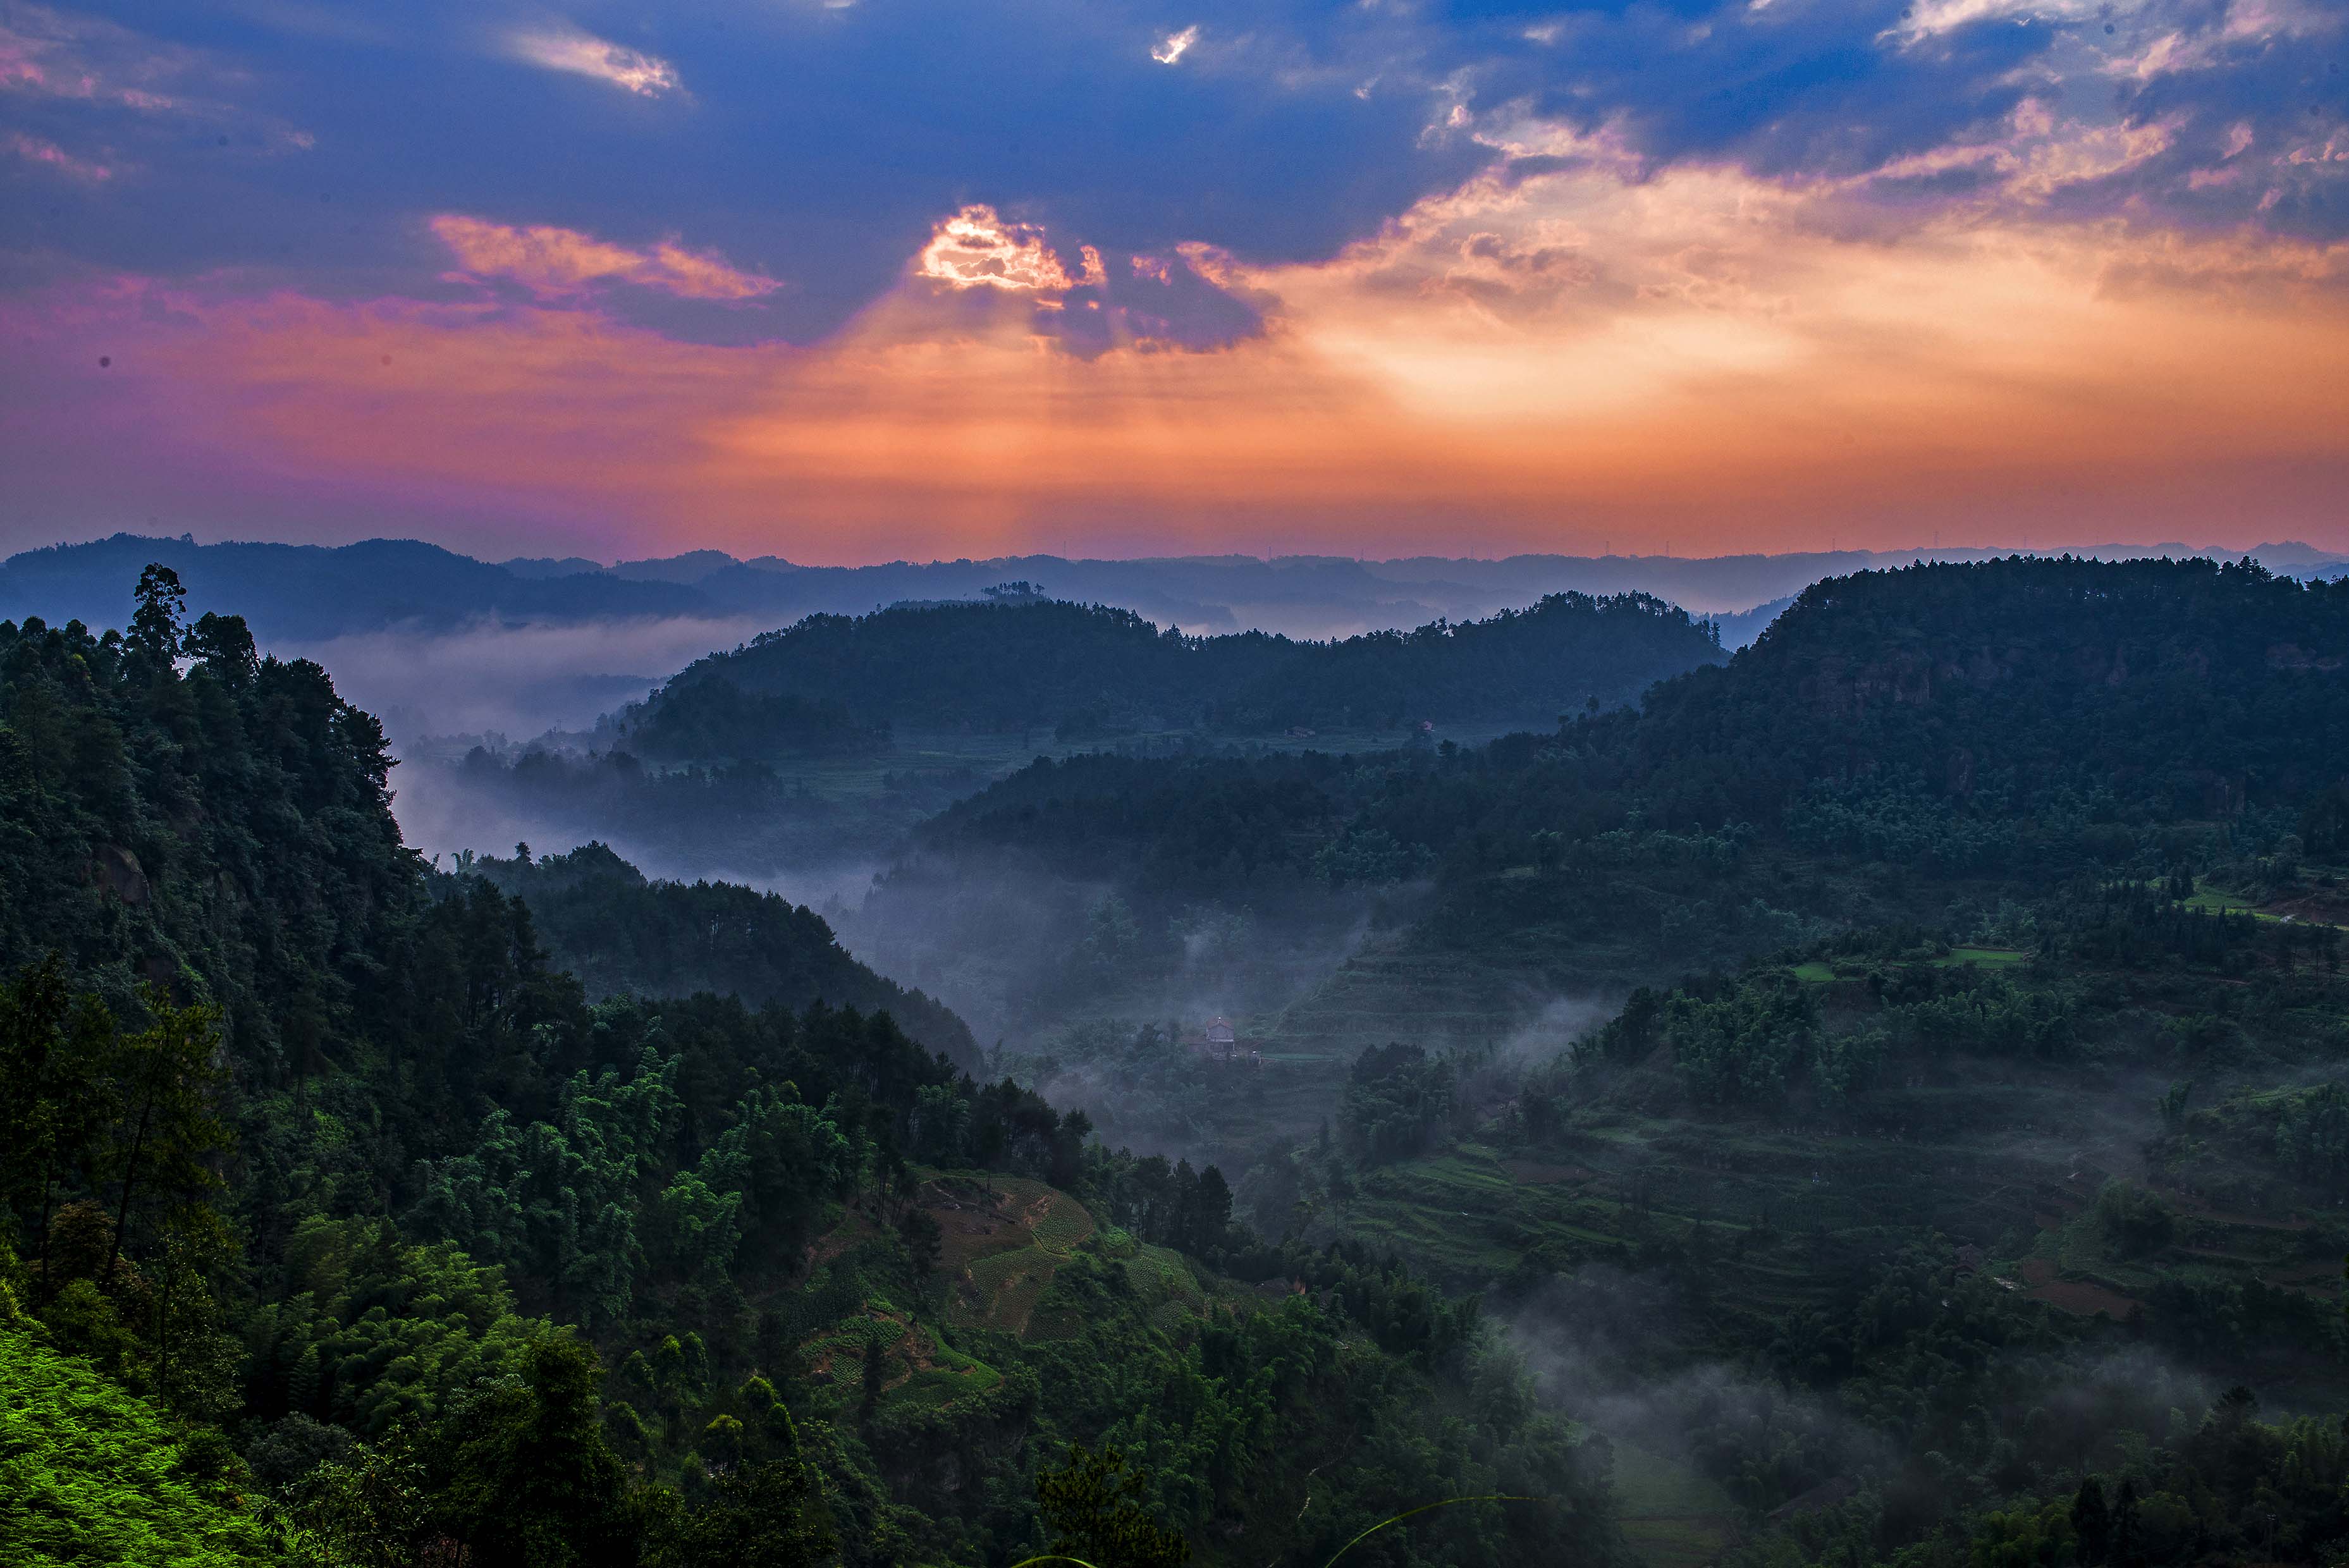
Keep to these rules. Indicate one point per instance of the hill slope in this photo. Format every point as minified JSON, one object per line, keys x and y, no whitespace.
{"x":2190,"y":688}
{"x":301,"y":1143}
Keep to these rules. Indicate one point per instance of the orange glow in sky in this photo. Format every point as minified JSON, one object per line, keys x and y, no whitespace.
{"x":1702,"y":357}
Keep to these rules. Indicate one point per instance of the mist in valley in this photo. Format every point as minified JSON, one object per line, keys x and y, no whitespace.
{"x":1043,"y":965}
{"x":519,"y":679}
{"x":780,"y":992}
{"x":1094,"y":990}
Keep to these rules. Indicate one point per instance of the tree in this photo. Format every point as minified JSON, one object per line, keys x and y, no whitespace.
{"x":1209,"y":1217}
{"x":529,"y":1478}
{"x":768,"y":1515}
{"x":2127,"y":1531}
{"x":1092,"y":1507}
{"x":2092,"y":1520}
{"x":223,"y":645}
{"x":925,"y":1241}
{"x":155,"y":625}
{"x":56,"y":1095}
{"x":169,"y":1127}
{"x":365,"y":1509}
{"x":875,"y":1368}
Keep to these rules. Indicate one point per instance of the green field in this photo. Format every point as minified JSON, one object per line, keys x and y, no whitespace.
{"x":1983,"y":957}
{"x":1673,"y":1517}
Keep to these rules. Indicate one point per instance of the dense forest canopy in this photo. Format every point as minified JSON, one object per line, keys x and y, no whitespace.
{"x":2183,"y":690}
{"x":1021,"y":660}
{"x":1622,"y":848}
{"x":2188,"y":687}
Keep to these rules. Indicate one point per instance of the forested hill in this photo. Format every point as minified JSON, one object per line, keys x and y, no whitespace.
{"x":224,"y":833}
{"x":2013,"y":723}
{"x":337,"y":1226}
{"x":2026,"y":720}
{"x":227,"y":833}
{"x":1900,"y":707}
{"x":1021,"y":660}
{"x":621,"y":933}
{"x":315,"y":592}
{"x":2185,"y":689}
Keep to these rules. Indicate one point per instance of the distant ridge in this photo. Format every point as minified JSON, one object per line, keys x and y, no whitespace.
{"x":311,"y":592}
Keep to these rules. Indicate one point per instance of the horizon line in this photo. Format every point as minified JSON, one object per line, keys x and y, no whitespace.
{"x":2160,"y":548}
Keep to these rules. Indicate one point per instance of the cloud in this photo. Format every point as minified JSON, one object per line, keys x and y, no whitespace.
{"x":48,"y":155}
{"x":47,"y":53}
{"x":1893,"y":257}
{"x":97,"y":107}
{"x":1932,"y":19}
{"x":584,"y":55}
{"x":1170,"y":50}
{"x":1528,"y":354}
{"x":976,"y":248}
{"x":553,"y":261}
{"x":1193,"y":300}
{"x":825,"y":143}
{"x":1198,"y":300}
{"x":521,"y":679}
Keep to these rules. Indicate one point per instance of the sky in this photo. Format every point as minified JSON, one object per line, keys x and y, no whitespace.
{"x":856,"y":280}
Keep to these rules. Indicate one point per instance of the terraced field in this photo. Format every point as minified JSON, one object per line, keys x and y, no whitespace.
{"x":1006,"y":1239}
{"x":1390,"y":990}
{"x":2011,"y":1168}
{"x":1001,"y":1238}
{"x":916,"y":1365}
{"x":1003,"y":1242}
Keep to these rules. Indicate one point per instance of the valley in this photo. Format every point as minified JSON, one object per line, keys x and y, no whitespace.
{"x":1835,"y":1107}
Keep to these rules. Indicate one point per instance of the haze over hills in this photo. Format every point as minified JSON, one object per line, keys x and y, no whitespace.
{"x":2015,"y":719}
{"x":812,"y":750}
{"x":438,"y":643}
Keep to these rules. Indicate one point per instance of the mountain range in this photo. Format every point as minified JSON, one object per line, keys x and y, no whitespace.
{"x":306,"y":592}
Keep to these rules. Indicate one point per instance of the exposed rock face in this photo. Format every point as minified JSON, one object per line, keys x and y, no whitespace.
{"x":117,"y":870}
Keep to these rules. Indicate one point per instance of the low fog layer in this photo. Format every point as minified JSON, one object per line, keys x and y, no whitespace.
{"x":442,"y":815}
{"x":495,"y":676}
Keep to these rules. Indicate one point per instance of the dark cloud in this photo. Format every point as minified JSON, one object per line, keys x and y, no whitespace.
{"x":817,"y":145}
{"x":2257,"y":133}
{"x":1154,"y":302}
{"x":1792,"y":88}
